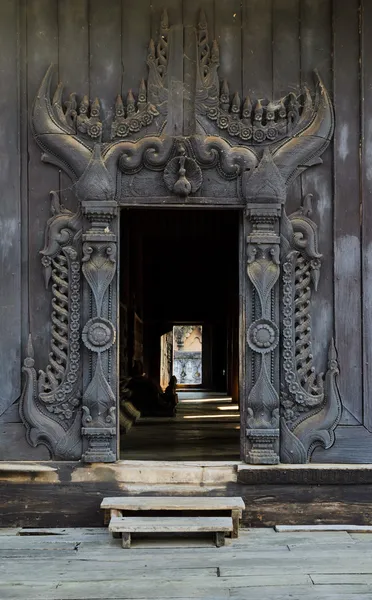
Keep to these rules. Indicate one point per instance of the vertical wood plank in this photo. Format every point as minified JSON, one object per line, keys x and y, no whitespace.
{"x":316,"y":53}
{"x":10,"y":209}
{"x":228,"y":33}
{"x":286,"y":47}
{"x":347,"y":247}
{"x":190,"y":16}
{"x":42,"y":47}
{"x":257,"y":49}
{"x":287,"y":68}
{"x":135,"y":38}
{"x":23,"y":149}
{"x":73,"y":66}
{"x":105,"y":56}
{"x":366,"y":174}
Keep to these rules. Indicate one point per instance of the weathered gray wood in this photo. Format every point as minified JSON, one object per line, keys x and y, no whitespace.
{"x":73,"y":66}
{"x":105,"y":70}
{"x":13,"y":444}
{"x":315,"y":593}
{"x":10,"y":210}
{"x":340,"y":578}
{"x":257,"y":49}
{"x":173,"y":503}
{"x":316,"y":53}
{"x":286,"y":56}
{"x":347,"y":246}
{"x":190,"y":15}
{"x":125,"y":540}
{"x":366,"y":190}
{"x":171,"y":524}
{"x":174,"y":124}
{"x":219,"y":539}
{"x":135,"y":37}
{"x":347,"y":528}
{"x":350,"y":441}
{"x":42,"y":50}
{"x":228,"y":32}
{"x":171,"y":202}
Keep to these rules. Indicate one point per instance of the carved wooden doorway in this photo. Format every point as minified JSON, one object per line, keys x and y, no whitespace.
{"x":179,"y":268}
{"x":183,"y":139}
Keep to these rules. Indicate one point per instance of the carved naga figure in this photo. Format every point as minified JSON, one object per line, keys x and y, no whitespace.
{"x":256,"y":148}
{"x":277,"y":141}
{"x":69,"y":409}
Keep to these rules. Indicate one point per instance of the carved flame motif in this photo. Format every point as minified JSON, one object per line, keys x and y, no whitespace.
{"x":255,"y":122}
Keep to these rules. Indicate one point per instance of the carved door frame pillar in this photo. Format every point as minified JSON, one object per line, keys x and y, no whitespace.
{"x":244,"y":155}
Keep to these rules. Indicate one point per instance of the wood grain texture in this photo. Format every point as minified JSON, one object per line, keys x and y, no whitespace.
{"x":353,"y":444}
{"x":170,"y":524}
{"x":105,"y":58}
{"x":228,"y":33}
{"x":135,"y":37}
{"x":74,"y":498}
{"x":347,"y":243}
{"x":316,"y":53}
{"x":73,"y":66}
{"x":267,"y":48}
{"x":287,"y":68}
{"x":10,"y":210}
{"x":190,"y":16}
{"x":42,"y":50}
{"x":178,"y":503}
{"x":366,"y":209}
{"x":257,"y":49}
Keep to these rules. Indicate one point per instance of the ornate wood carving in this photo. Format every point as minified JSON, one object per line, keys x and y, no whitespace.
{"x":255,"y":148}
{"x":310,"y":403}
{"x":281,"y":139}
{"x":75,"y":415}
{"x":51,"y":400}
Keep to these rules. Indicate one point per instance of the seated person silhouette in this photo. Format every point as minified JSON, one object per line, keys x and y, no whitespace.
{"x":147,"y":396}
{"x":170,"y":396}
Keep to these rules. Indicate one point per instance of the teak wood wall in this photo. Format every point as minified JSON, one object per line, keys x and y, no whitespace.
{"x":267,"y":48}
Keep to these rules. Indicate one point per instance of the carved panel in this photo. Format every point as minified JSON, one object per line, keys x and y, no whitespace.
{"x":255,"y":148}
{"x":310,"y":403}
{"x":50,"y":405}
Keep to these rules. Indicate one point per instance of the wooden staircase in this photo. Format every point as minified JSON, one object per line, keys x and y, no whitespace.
{"x":195,"y":516}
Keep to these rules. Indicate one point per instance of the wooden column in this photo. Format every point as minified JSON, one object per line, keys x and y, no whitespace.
{"x":99,"y":264}
{"x":261,"y":306}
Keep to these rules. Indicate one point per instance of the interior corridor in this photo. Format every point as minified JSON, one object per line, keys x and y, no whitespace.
{"x":179,"y":271}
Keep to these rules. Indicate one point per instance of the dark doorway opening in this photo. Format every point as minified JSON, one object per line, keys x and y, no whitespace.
{"x":179,"y":314}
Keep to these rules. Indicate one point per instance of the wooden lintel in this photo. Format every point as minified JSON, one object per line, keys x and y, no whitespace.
{"x":182,"y":203}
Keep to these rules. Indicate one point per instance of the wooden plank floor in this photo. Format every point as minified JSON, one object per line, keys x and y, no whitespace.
{"x":86,"y":564}
{"x":206,"y":427}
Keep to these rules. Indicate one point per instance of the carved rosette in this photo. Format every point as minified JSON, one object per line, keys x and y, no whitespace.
{"x":51,"y":401}
{"x":96,"y":191}
{"x":266,"y":193}
{"x":256,"y":148}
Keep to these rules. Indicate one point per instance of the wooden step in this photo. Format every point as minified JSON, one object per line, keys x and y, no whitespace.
{"x":233,"y":505}
{"x":128,"y":525}
{"x":173,"y":503}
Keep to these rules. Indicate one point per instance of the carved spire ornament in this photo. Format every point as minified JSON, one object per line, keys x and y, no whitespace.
{"x":245,"y":152}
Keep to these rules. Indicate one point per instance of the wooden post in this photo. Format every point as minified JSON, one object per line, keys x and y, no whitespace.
{"x":220,"y":539}
{"x":125,"y":540}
